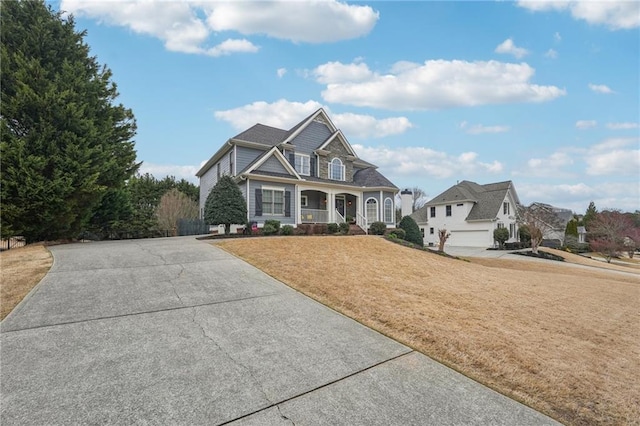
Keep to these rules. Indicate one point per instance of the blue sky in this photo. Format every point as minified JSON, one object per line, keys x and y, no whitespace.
{"x":545,"y":94}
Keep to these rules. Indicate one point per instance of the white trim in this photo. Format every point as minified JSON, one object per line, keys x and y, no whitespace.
{"x":306,"y":200}
{"x":308,"y":157}
{"x":366,"y":212}
{"x":275,"y":151}
{"x":311,"y":118}
{"x":273,"y":189}
{"x":338,"y":134}
{"x":384,"y":216}
{"x":330,"y":170}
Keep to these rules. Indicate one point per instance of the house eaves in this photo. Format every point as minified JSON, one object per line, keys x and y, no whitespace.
{"x":215,"y":158}
{"x":278,"y":155}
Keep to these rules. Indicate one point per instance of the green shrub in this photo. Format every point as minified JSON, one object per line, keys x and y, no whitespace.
{"x":269,"y":229}
{"x":332,"y":228}
{"x":344,"y":228}
{"x":392,"y":236}
{"x":501,"y":235}
{"x":274,"y":223}
{"x":398,"y":233}
{"x":412,"y":231}
{"x":286,"y":230}
{"x":377,"y":228}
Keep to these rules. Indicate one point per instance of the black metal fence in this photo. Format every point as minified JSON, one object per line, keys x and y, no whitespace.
{"x":192,"y":227}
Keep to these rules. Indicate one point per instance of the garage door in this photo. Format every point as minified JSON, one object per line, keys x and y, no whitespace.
{"x":469,"y":239}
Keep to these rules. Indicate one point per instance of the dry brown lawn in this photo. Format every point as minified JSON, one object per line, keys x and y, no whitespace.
{"x":561,"y":339}
{"x":21,"y":269}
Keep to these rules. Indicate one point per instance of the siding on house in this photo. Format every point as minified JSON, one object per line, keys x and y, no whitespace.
{"x":256,"y":184}
{"x":337,"y":150}
{"x":311,"y":137}
{"x":245,"y":156}
{"x":273,"y":165}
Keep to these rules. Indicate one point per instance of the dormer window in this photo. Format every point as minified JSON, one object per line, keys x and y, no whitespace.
{"x":302,"y":164}
{"x":336,"y":169}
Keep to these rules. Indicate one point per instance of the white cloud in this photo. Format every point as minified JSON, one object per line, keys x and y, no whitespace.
{"x":159,"y":171}
{"x":230,"y":46}
{"x":551,"y":54}
{"x":616,"y":15}
{"x":478,"y":129}
{"x":285,"y":114}
{"x":435,"y":84}
{"x":576,"y":196}
{"x":557,"y":37}
{"x":586,"y":124}
{"x":600,"y":88}
{"x":420,"y":162}
{"x":281,"y":72}
{"x":298,"y":21}
{"x":622,"y":126}
{"x":615,"y":157}
{"x":187,"y":26}
{"x":554,"y":165}
{"x":337,"y":72}
{"x":509,"y":47}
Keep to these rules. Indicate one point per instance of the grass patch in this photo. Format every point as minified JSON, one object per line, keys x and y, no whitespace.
{"x":561,"y":339}
{"x":21,"y":269}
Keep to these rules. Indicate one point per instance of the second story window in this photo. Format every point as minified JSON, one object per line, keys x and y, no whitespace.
{"x":432,"y":212}
{"x":336,"y":169}
{"x":302,"y":164}
{"x":505,"y":208}
{"x":448,"y":210}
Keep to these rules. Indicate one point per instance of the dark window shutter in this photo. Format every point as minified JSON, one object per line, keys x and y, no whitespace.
{"x":312,"y":166}
{"x":258,"y":202}
{"x":287,"y":204}
{"x":292,"y":159}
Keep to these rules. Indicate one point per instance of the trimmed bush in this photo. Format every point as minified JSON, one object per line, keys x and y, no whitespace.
{"x":332,"y":228}
{"x":286,"y":230}
{"x":501,"y":235}
{"x":377,"y":228}
{"x":412,"y":231}
{"x":398,"y":233}
{"x":274,"y":223}
{"x":344,"y":228}
{"x":269,"y":229}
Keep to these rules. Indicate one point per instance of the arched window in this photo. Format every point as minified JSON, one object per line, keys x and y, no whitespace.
{"x":372,"y":210}
{"x":336,"y":169}
{"x":388,"y":210}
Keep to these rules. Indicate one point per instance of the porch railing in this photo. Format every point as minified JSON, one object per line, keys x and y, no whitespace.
{"x":362,"y":222}
{"x":314,"y":216}
{"x":339,"y":218}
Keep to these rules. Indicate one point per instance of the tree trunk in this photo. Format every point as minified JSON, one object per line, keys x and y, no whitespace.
{"x":227,"y":228}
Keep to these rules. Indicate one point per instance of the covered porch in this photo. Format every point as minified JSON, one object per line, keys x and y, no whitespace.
{"x":328,"y":207}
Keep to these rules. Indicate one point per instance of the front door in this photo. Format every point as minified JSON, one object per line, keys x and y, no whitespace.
{"x":340,"y":205}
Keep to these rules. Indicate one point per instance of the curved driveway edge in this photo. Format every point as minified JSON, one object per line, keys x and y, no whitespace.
{"x":177,"y":331}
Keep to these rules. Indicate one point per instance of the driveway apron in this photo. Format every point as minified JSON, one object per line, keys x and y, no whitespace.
{"x":177,"y":331}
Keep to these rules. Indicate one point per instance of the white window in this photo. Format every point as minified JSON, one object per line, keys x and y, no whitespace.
{"x":336,"y":169}
{"x":304,"y":201}
{"x":388,"y":210}
{"x":273,"y":201}
{"x":302,"y":164}
{"x":372,"y":210}
{"x":512,"y":230}
{"x":505,"y":208}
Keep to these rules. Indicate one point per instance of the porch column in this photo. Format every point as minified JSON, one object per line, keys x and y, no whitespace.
{"x":331,"y":201}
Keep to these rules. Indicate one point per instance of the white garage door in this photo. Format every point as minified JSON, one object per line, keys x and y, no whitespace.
{"x":469,"y":239}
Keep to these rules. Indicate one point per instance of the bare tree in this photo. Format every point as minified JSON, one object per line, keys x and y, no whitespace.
{"x":443,"y":236}
{"x":540,"y":219}
{"x":611,"y":232}
{"x":420,"y":198}
{"x":175,"y":205}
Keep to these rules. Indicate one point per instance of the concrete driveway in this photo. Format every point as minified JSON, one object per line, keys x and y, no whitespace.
{"x":177,"y":331}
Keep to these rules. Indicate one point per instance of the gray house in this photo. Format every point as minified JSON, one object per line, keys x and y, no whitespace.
{"x":307,"y":174}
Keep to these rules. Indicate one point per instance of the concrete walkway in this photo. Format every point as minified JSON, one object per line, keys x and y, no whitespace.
{"x":176,"y":331}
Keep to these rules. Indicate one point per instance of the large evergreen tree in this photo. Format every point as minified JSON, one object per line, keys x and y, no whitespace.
{"x":412,"y":230}
{"x":225,"y":205}
{"x":65,"y":143}
{"x":590,"y":215}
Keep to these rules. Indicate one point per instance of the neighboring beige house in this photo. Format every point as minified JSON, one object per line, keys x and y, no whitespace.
{"x":307,"y":174}
{"x":470,"y":212}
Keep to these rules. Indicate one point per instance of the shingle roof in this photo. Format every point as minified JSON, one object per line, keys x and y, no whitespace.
{"x":371,"y":178}
{"x":420,"y":215}
{"x":487,"y":198}
{"x":262,"y":134}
